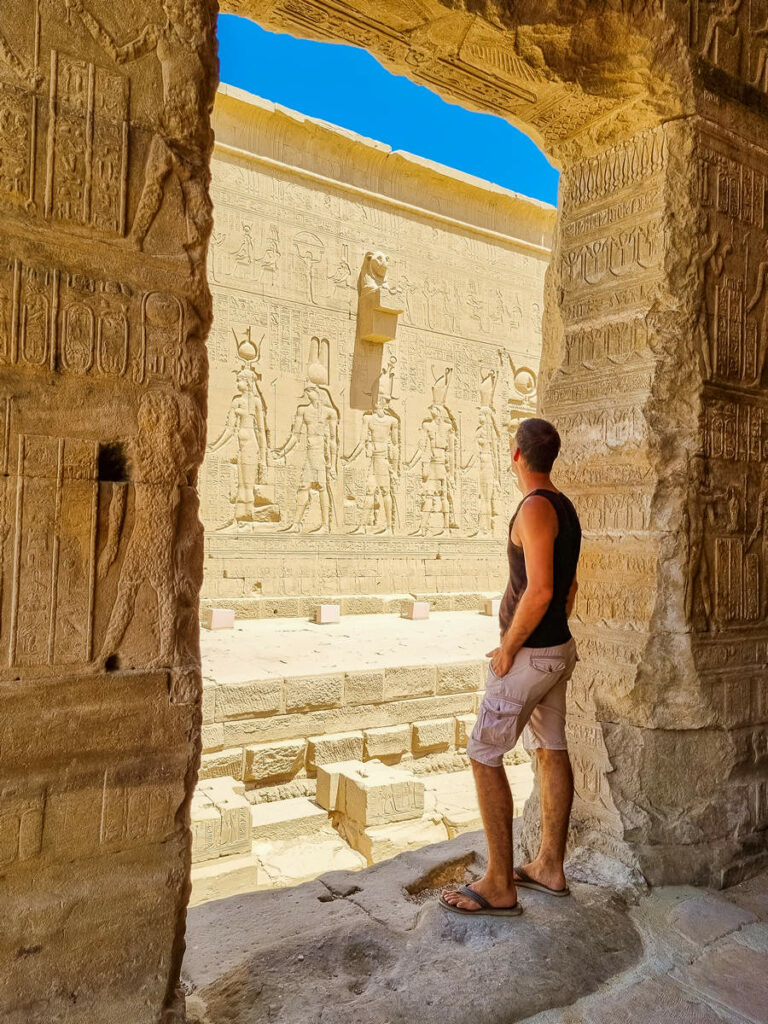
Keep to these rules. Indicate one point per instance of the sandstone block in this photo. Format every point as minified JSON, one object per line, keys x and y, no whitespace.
{"x":416,"y":610}
{"x":433,"y":735}
{"x":205,"y":824}
{"x":235,"y":821}
{"x":460,"y":677}
{"x":222,"y":762}
{"x":344,"y":746}
{"x":217,"y":618}
{"x":273,"y":762}
{"x":311,"y":692}
{"x":380,"y":842}
{"x":374,"y":794}
{"x":213,"y":736}
{"x":389,"y":742}
{"x":291,"y":862}
{"x":409,"y":681}
{"x":209,"y":702}
{"x":279,"y":607}
{"x":491,"y":606}
{"x":329,"y":783}
{"x":248,"y":700}
{"x":464,"y":726}
{"x":326,"y":614}
{"x":364,"y":687}
{"x":298,"y":817}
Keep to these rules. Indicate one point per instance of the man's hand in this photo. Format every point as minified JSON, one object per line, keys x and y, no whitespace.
{"x":501,"y":661}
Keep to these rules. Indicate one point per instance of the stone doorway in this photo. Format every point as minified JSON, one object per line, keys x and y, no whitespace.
{"x":654,"y":350}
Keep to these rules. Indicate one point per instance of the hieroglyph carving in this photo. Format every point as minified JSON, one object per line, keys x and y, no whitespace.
{"x":380,"y":442}
{"x":159,"y":460}
{"x":316,"y":426}
{"x":247,"y":428}
{"x":178,"y":42}
{"x":438,"y":454}
{"x":487,"y":455}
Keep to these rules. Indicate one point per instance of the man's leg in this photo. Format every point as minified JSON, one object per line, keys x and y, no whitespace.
{"x":545,"y":734}
{"x":495,"y":799}
{"x":556,"y":795}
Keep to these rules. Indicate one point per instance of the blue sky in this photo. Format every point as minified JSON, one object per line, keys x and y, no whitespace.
{"x":336,"y":83}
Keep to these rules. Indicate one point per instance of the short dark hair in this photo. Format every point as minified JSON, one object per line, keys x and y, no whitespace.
{"x":539,"y":444}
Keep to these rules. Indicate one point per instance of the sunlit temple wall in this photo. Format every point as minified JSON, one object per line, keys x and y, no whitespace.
{"x":377,"y":329}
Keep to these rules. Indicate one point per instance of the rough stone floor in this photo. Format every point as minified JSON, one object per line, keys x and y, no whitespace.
{"x":372,"y":947}
{"x":257,"y":648}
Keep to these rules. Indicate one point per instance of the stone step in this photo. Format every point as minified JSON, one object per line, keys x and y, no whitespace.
{"x":297,"y":817}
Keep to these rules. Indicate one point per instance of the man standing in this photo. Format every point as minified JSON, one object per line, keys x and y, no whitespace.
{"x":526,"y":684}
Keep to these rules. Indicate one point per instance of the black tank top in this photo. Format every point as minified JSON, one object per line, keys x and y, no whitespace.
{"x":553,"y":628}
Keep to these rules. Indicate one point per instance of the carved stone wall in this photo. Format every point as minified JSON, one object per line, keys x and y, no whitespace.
{"x":104,"y":307}
{"x":103,"y":310}
{"x":336,"y":466}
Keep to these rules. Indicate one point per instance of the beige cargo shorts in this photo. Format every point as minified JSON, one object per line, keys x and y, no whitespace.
{"x":530,"y":697}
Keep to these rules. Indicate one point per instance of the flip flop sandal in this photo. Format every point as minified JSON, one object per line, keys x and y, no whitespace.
{"x":524,"y":881}
{"x":486,"y":910}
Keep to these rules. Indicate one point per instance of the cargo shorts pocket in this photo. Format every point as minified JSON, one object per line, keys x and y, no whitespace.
{"x":497,"y":721}
{"x":544,"y":663}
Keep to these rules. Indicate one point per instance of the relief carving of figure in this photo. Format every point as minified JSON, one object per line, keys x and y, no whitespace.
{"x":20,"y":68}
{"x":316,"y":422}
{"x":380,"y":441}
{"x":761,"y":293}
{"x":178,"y":43}
{"x":712,"y":260}
{"x":699,"y":519}
{"x":761,"y":528}
{"x":159,"y":460}
{"x":247,"y":426}
{"x":488,"y":456}
{"x":760,"y":80}
{"x":723,"y":24}
{"x":438,"y":450}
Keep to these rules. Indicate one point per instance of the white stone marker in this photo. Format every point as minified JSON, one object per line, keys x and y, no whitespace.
{"x":218,"y":618}
{"x":325,"y":613}
{"x":492,"y":606}
{"x":416,"y":610}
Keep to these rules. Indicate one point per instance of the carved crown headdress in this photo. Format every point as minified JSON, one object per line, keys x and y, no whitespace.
{"x":318,"y":364}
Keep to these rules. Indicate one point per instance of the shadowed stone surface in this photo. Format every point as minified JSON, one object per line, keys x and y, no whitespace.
{"x":320,"y":956}
{"x":373,"y":947}
{"x":706,"y":918}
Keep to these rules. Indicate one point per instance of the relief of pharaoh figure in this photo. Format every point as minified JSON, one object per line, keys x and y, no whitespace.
{"x":488,"y":456}
{"x":159,"y":459}
{"x":699,"y":519}
{"x":316,"y":422}
{"x":712,"y":261}
{"x":247,"y":426}
{"x":761,"y":529}
{"x":761,"y":293}
{"x":380,"y":441}
{"x":438,"y":449}
{"x":177,"y":148}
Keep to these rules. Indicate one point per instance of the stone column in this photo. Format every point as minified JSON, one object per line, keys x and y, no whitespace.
{"x":104,"y":219}
{"x":656,"y":345}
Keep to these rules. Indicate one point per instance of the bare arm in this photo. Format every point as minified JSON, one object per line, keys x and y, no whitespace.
{"x":227,"y":433}
{"x":143,"y":44}
{"x":537,"y":523}
{"x":293,"y":438}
